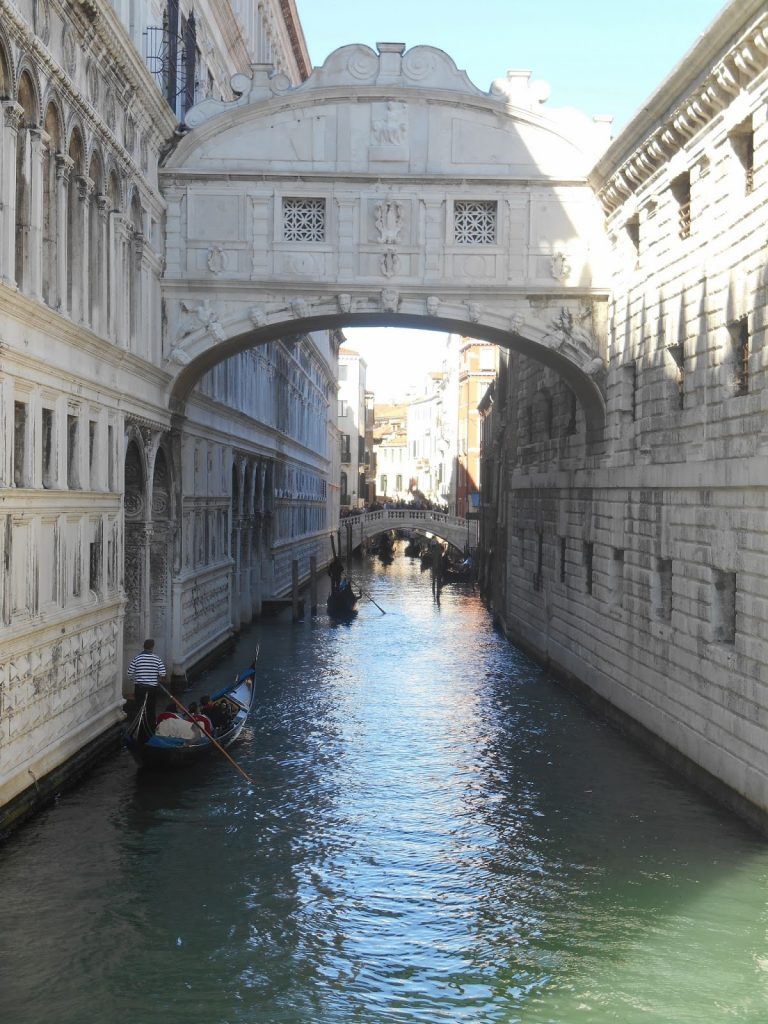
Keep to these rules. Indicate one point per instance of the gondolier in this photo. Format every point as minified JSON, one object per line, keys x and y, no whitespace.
{"x":147,"y":670}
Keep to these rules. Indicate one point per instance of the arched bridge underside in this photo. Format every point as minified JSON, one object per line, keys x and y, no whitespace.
{"x":386,"y":190}
{"x":461,"y":533}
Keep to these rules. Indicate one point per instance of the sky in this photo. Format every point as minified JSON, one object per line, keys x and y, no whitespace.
{"x":599,"y":56}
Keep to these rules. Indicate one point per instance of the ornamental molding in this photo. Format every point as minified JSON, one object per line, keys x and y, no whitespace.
{"x":730,"y":76}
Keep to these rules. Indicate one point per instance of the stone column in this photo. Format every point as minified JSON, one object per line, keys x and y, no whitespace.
{"x":39,"y":140}
{"x":99,"y":209}
{"x":85,"y":190}
{"x":12,"y":115}
{"x":64,"y":165}
{"x":117,"y":284}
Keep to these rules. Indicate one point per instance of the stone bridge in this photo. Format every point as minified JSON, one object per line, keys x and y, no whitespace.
{"x":461,"y":533}
{"x":386,"y":190}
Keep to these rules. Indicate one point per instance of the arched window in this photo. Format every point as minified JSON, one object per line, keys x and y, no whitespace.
{"x":111,"y":257}
{"x":26,"y":98}
{"x":135,"y":251}
{"x":344,"y":491}
{"x":96,"y":231}
{"x":50,"y":207}
{"x":75,"y":227}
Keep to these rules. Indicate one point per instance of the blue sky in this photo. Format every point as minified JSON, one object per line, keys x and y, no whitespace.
{"x":600,"y":56}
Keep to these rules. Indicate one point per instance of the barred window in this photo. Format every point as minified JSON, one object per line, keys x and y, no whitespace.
{"x":303,"y":220}
{"x":474,"y":222}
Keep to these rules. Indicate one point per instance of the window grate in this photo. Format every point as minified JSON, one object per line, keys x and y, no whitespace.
{"x":303,"y":220}
{"x":474,"y":222}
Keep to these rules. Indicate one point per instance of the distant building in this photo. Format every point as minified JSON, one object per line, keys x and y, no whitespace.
{"x":351,"y":418}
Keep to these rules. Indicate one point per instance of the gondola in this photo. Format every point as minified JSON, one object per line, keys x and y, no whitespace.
{"x":163,"y":752}
{"x":342,"y":603}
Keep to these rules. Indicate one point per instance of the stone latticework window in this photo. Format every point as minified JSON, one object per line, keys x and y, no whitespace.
{"x":303,"y":220}
{"x":474,"y":222}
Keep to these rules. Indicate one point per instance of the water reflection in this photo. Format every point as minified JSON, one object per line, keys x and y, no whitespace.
{"x":436,"y":832}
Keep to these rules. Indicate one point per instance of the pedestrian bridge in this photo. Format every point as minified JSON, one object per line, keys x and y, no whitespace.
{"x":461,"y":533}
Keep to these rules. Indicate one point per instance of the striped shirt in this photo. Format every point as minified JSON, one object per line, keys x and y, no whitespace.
{"x":146,"y":669}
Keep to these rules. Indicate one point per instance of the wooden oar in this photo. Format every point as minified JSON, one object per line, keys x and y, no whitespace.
{"x":208,"y":736}
{"x":365,"y":593}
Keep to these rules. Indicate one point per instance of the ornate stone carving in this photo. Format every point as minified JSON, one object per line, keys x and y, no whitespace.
{"x":109,"y":109}
{"x":217,"y":260}
{"x":433,"y":305}
{"x":299,"y":308}
{"x":178,"y":355}
{"x":258,"y":316}
{"x":561,"y":268}
{"x":69,"y":50}
{"x":392,"y":128}
{"x":92,"y":76}
{"x":474,"y":311}
{"x":205,"y":315}
{"x":130,"y":134}
{"x":389,"y":220}
{"x":390,"y":300}
{"x":344,"y":302}
{"x":389,"y":263}
{"x":516,"y":323}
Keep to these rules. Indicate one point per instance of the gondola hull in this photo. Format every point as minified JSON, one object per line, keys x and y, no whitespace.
{"x":342,"y":604}
{"x":169,"y":753}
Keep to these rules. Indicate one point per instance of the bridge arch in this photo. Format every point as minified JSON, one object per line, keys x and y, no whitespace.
{"x":386,"y":190}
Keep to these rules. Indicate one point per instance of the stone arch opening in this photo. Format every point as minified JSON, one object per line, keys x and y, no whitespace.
{"x":161,"y":553}
{"x":27,"y":98}
{"x":51,"y":204}
{"x":75,"y":226}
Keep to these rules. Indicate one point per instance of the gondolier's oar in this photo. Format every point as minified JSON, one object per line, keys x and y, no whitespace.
{"x":366,"y":594}
{"x":208,"y":736}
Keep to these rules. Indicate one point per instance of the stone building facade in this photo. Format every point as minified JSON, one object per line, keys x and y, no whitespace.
{"x":633,"y":561}
{"x":120,"y":518}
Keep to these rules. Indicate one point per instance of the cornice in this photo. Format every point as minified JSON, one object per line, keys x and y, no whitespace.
{"x":124,"y":64}
{"x":686,"y":104}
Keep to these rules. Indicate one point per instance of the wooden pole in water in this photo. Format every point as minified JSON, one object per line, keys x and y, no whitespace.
{"x":313,"y":584}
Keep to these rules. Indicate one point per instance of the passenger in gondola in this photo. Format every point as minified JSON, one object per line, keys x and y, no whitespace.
{"x":215,"y":711}
{"x":176,"y":727}
{"x":170,"y":712}
{"x":200,"y":718}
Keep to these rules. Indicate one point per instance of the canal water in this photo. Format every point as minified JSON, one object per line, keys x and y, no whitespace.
{"x":436,"y":832}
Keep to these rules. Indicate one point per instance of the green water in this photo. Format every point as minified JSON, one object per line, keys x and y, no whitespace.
{"x":436,"y":833}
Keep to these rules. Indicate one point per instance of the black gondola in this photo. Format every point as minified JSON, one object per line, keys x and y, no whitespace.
{"x":342,"y":603}
{"x":162,"y":752}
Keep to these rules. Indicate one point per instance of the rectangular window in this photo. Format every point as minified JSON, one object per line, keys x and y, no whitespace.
{"x":678,"y":356}
{"x":94,"y":566}
{"x":47,"y":448}
{"x":346,"y":453}
{"x":632,"y":227}
{"x":92,"y":454}
{"x":384,"y":484}
{"x":661,"y":590}
{"x":343,"y":371}
{"x":303,"y":220}
{"x":20,"y":475}
{"x":743,"y":142}
{"x":398,"y":483}
{"x":342,"y":408}
{"x":72,"y":453}
{"x":724,"y":607}
{"x":474,"y":222}
{"x":111,"y":457}
{"x":588,"y":555}
{"x":681,"y":190}
{"x":739,"y":332}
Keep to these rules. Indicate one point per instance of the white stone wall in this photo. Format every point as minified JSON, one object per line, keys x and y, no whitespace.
{"x":636,"y":564}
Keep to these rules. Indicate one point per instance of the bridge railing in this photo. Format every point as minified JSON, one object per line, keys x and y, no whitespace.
{"x":391,"y":518}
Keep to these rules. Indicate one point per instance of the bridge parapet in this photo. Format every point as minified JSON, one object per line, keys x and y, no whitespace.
{"x":453,"y":529}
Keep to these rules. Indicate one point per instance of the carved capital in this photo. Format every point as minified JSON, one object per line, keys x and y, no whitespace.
{"x":13,"y":112}
{"x":64,"y":167}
